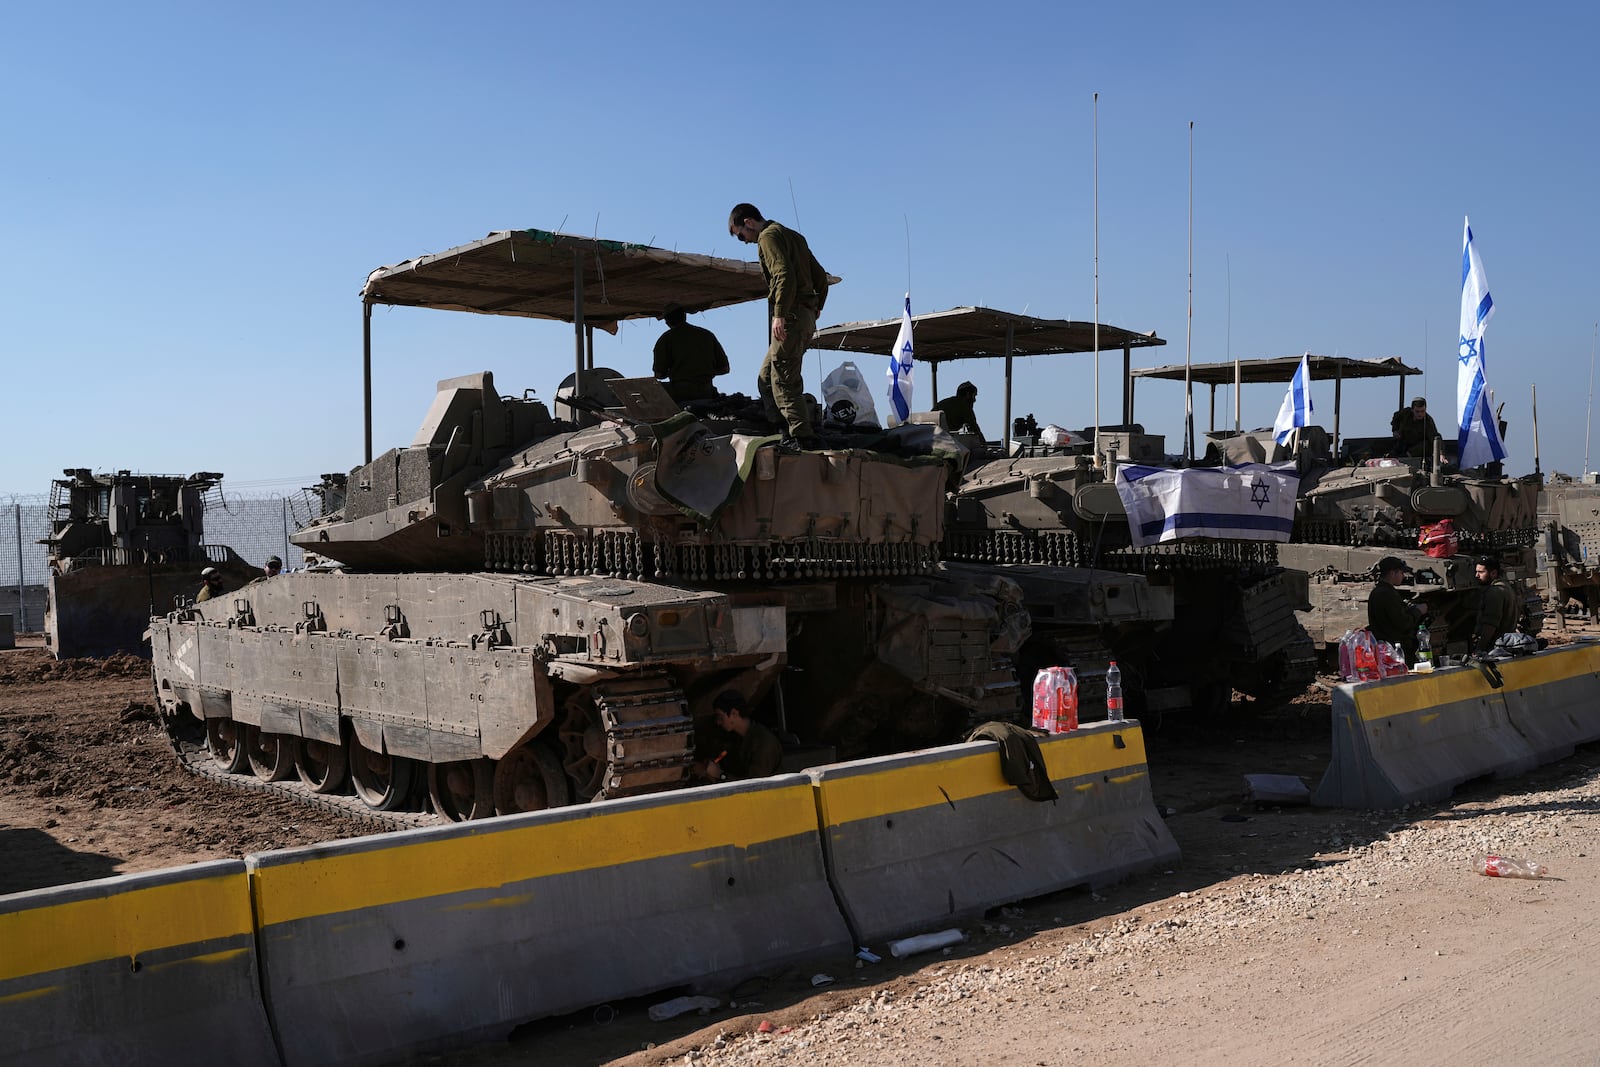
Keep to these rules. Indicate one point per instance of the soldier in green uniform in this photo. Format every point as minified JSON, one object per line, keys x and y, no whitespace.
{"x":1499,"y":607}
{"x":797,"y":287}
{"x":211,"y":585}
{"x":1390,"y":616}
{"x":1413,"y":429}
{"x":753,"y":752}
{"x":958,"y":412}
{"x":689,"y":357}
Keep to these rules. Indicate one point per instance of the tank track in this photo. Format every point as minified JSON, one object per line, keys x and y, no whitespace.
{"x":1349,"y":535}
{"x":625,"y":554}
{"x":1062,"y":548}
{"x":649,"y":735}
{"x":196,"y":759}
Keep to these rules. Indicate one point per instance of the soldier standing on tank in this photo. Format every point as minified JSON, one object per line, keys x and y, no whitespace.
{"x":1390,"y":616}
{"x":1498,"y":606}
{"x":797,"y":287}
{"x":689,"y":356}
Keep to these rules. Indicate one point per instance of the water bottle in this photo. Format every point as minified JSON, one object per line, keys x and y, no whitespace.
{"x":1366,"y":656}
{"x":1055,"y":700}
{"x":1494,"y":866}
{"x":1347,"y":654}
{"x":1424,"y":647}
{"x":1114,"y":693}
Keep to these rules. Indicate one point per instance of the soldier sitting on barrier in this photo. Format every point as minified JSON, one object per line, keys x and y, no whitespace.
{"x":1498,"y":606}
{"x":1390,"y":616}
{"x":753,"y":750}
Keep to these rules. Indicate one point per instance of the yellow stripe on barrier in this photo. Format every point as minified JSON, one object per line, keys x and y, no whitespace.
{"x":1420,"y":691}
{"x":123,"y":924}
{"x":1550,"y":667}
{"x":922,"y":785}
{"x":417,"y":870}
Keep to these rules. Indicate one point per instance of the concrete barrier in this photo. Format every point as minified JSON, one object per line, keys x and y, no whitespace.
{"x":1415,"y":738}
{"x":1553,"y":699}
{"x":384,"y":948}
{"x":931,"y":837}
{"x":156,"y":968}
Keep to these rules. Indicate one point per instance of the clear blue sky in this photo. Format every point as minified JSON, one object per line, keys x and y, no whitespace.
{"x":195,"y":193}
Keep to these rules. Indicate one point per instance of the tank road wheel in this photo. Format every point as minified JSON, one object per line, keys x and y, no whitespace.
{"x":321,"y":765}
{"x":530,"y":778}
{"x":583,"y":743}
{"x":382,"y":782}
{"x":224,"y":738}
{"x":463,"y":789}
{"x":272,"y":756}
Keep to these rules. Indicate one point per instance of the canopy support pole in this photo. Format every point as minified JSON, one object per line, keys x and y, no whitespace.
{"x":1338,"y":400}
{"x":1010,"y":333}
{"x":366,"y":372}
{"x":1127,"y":383}
{"x":578,"y":329}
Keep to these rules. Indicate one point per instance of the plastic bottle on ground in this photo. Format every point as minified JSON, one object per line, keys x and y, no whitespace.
{"x":1114,"y":710}
{"x":1510,"y":867}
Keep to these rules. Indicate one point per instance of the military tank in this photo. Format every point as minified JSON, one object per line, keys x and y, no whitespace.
{"x":1187,"y":622}
{"x":121,"y":547}
{"x":1357,"y":504}
{"x":521,"y":610}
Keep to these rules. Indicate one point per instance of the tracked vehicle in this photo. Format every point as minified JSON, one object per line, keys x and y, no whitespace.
{"x":522,"y":609}
{"x":1187,"y":622}
{"x":1357,"y":505}
{"x":121,"y":547}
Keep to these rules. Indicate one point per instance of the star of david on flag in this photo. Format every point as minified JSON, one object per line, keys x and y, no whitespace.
{"x":1296,"y":409}
{"x":1478,"y":432}
{"x":899,"y":371}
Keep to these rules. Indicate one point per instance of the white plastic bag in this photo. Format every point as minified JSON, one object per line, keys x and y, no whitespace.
{"x":845,"y":393}
{"x":1060,"y":436}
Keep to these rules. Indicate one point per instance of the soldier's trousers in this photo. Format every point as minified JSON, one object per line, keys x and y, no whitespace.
{"x":781,"y":383}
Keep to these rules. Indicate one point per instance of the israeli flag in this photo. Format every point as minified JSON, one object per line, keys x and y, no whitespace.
{"x":1296,"y":409}
{"x":1478,"y":441}
{"x":900,"y":371}
{"x":1249,"y":502}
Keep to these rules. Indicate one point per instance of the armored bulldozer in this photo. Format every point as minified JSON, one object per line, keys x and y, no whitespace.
{"x":1187,"y":622}
{"x":522,"y":610}
{"x":122,"y":547}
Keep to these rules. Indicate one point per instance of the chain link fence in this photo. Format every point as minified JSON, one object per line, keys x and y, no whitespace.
{"x":254,"y":526}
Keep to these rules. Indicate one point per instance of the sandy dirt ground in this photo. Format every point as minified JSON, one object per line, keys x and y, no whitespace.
{"x":1287,"y":934}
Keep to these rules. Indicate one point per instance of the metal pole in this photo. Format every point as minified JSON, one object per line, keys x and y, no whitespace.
{"x":22,"y":605}
{"x":1010,"y":327}
{"x":1096,"y":445}
{"x":1238,"y":383}
{"x":577,"y":319}
{"x":1188,"y":351}
{"x":1127,"y":383}
{"x":366,"y":370}
{"x":1338,"y":399}
{"x":285,"y":502}
{"x":1536,"y":469}
{"x":1212,"y":418}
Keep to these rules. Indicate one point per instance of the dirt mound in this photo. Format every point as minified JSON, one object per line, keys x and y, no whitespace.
{"x":36,"y":665}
